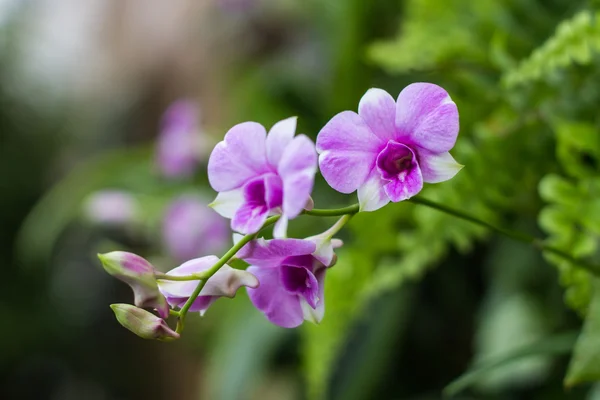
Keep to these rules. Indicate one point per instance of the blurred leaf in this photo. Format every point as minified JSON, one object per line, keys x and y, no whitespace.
{"x":382,"y":329}
{"x":507,"y":323}
{"x":553,"y":345}
{"x":243,"y":343}
{"x":321,"y":343}
{"x":585,"y":363}
{"x":62,"y":203}
{"x":432,"y":34}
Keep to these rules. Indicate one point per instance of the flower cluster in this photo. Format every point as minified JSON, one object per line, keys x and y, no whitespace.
{"x":385,"y":152}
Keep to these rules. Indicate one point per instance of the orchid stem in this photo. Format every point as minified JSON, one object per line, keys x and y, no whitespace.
{"x":351,"y":210}
{"x":166,"y":277}
{"x":516,"y":235}
{"x":205,"y":275}
{"x":335,"y":228}
{"x":346,"y":214}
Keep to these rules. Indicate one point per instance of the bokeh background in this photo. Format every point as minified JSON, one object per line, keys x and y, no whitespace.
{"x":417,"y":299}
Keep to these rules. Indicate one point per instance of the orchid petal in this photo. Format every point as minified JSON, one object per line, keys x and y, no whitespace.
{"x":372,"y":195}
{"x":378,"y":109}
{"x":271,"y":298}
{"x":437,"y":167}
{"x":239,"y":157}
{"x":270,"y":253}
{"x":227,"y":203}
{"x":426,"y":117}
{"x":348,"y":150}
{"x":279,"y":137}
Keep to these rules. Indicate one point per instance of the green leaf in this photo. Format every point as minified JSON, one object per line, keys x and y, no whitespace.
{"x":560,"y":190}
{"x":553,"y":345}
{"x":243,"y":342}
{"x":585,"y":363}
{"x":321,"y":343}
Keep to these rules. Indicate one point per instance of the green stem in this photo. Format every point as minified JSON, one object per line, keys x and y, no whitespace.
{"x":166,"y":277}
{"x":516,"y":235}
{"x":346,"y":214}
{"x":335,"y":228}
{"x":205,"y":275}
{"x":353,"y":209}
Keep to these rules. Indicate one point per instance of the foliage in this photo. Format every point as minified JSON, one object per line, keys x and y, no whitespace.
{"x":575,"y":41}
{"x":584,"y":365}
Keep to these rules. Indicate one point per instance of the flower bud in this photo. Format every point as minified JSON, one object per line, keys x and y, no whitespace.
{"x":143,"y":323}
{"x":139,"y":275}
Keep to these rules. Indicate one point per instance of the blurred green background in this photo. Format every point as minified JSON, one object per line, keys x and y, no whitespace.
{"x":417,"y":299}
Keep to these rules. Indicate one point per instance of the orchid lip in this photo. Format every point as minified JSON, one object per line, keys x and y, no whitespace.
{"x":395,"y":161}
{"x":300,"y":281}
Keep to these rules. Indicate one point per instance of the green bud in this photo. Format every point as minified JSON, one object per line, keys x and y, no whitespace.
{"x":139,"y":275}
{"x":143,"y":323}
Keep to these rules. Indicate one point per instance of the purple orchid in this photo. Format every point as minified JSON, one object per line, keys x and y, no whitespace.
{"x":389,"y":149}
{"x":111,"y":207}
{"x":291,"y":273}
{"x":191,"y":228}
{"x":258,"y":174}
{"x":178,"y":147}
{"x":225,"y":282}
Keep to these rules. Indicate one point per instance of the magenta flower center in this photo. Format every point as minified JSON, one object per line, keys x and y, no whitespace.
{"x":264,"y":191}
{"x":396,"y":161}
{"x":301,"y":281}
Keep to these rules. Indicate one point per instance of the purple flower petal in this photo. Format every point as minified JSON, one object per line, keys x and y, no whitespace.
{"x":270,"y":253}
{"x":378,"y":109}
{"x":261,"y":195}
{"x":202,"y":303}
{"x":279,"y":306}
{"x":191,"y":228}
{"x":184,"y":289}
{"x":297,"y":169}
{"x":224,"y":283}
{"x":249,"y":218}
{"x":315,"y":314}
{"x":238,"y":158}
{"x":111,"y":207}
{"x":279,"y":137}
{"x":273,"y":191}
{"x":398,"y":164}
{"x":437,"y":167}
{"x":178,"y":143}
{"x":426,"y":117}
{"x":372,"y":195}
{"x":300,"y":281}
{"x":348,"y":150}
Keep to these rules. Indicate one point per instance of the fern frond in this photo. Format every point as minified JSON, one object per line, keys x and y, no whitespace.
{"x":575,"y":41}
